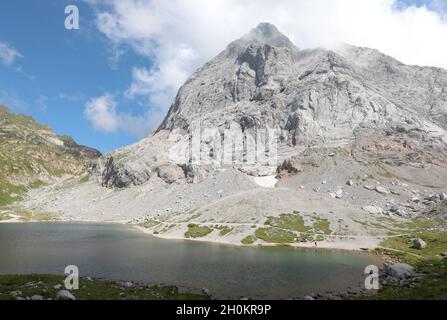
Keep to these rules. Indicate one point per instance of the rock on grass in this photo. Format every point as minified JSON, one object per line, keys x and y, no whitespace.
{"x":65,"y":295}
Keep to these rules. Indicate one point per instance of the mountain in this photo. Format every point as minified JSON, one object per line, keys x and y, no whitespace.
{"x":267,"y":143}
{"x":313,"y":98}
{"x":32,"y":155}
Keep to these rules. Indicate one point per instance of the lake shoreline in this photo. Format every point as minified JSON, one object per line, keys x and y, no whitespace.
{"x":340,"y":246}
{"x":49,"y":287}
{"x":354,"y":245}
{"x":257,"y":257}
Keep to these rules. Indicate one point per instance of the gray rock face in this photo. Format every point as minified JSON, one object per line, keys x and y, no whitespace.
{"x":291,"y":166}
{"x":133,"y":165}
{"x":312,"y":98}
{"x":113,"y":174}
{"x":171,"y":174}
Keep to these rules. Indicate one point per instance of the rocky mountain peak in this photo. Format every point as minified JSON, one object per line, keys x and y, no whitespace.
{"x":265,"y":34}
{"x":313,"y":98}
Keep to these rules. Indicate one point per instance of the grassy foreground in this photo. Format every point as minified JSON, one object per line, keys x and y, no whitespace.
{"x":44,"y":285}
{"x":432,"y":286}
{"x":430,"y":281}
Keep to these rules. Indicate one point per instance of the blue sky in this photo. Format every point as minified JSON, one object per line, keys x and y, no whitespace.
{"x":437,"y":5}
{"x":61,"y":70}
{"x":126,"y":62}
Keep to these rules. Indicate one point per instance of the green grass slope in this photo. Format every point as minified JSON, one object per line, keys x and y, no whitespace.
{"x":32,"y":155}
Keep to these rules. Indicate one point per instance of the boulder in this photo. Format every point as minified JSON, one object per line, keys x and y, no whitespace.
{"x":337,"y":194}
{"x":382,"y":190}
{"x":205,"y":291}
{"x":398,"y":271}
{"x":373,"y":209}
{"x":65,"y":295}
{"x":36,"y":297}
{"x":171,"y":173}
{"x":419,"y":244}
{"x":16,"y":293}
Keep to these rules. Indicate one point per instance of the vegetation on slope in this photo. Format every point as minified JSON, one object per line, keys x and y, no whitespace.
{"x":248,"y":240}
{"x":31,"y":155}
{"x":292,"y":222}
{"x":196,"y":231}
{"x":291,"y":228}
{"x":275,"y":235}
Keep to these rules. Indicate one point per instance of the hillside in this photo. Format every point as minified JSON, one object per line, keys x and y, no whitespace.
{"x":32,"y":155}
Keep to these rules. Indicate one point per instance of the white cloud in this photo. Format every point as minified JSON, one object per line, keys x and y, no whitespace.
{"x":101,"y":112}
{"x":179,"y":36}
{"x":103,"y":115}
{"x":8,"y":54}
{"x":168,"y":75}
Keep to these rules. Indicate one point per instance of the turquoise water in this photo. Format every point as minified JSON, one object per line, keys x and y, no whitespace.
{"x":119,"y":252}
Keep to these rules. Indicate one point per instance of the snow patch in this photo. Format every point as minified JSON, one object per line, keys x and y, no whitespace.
{"x":266,"y":182}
